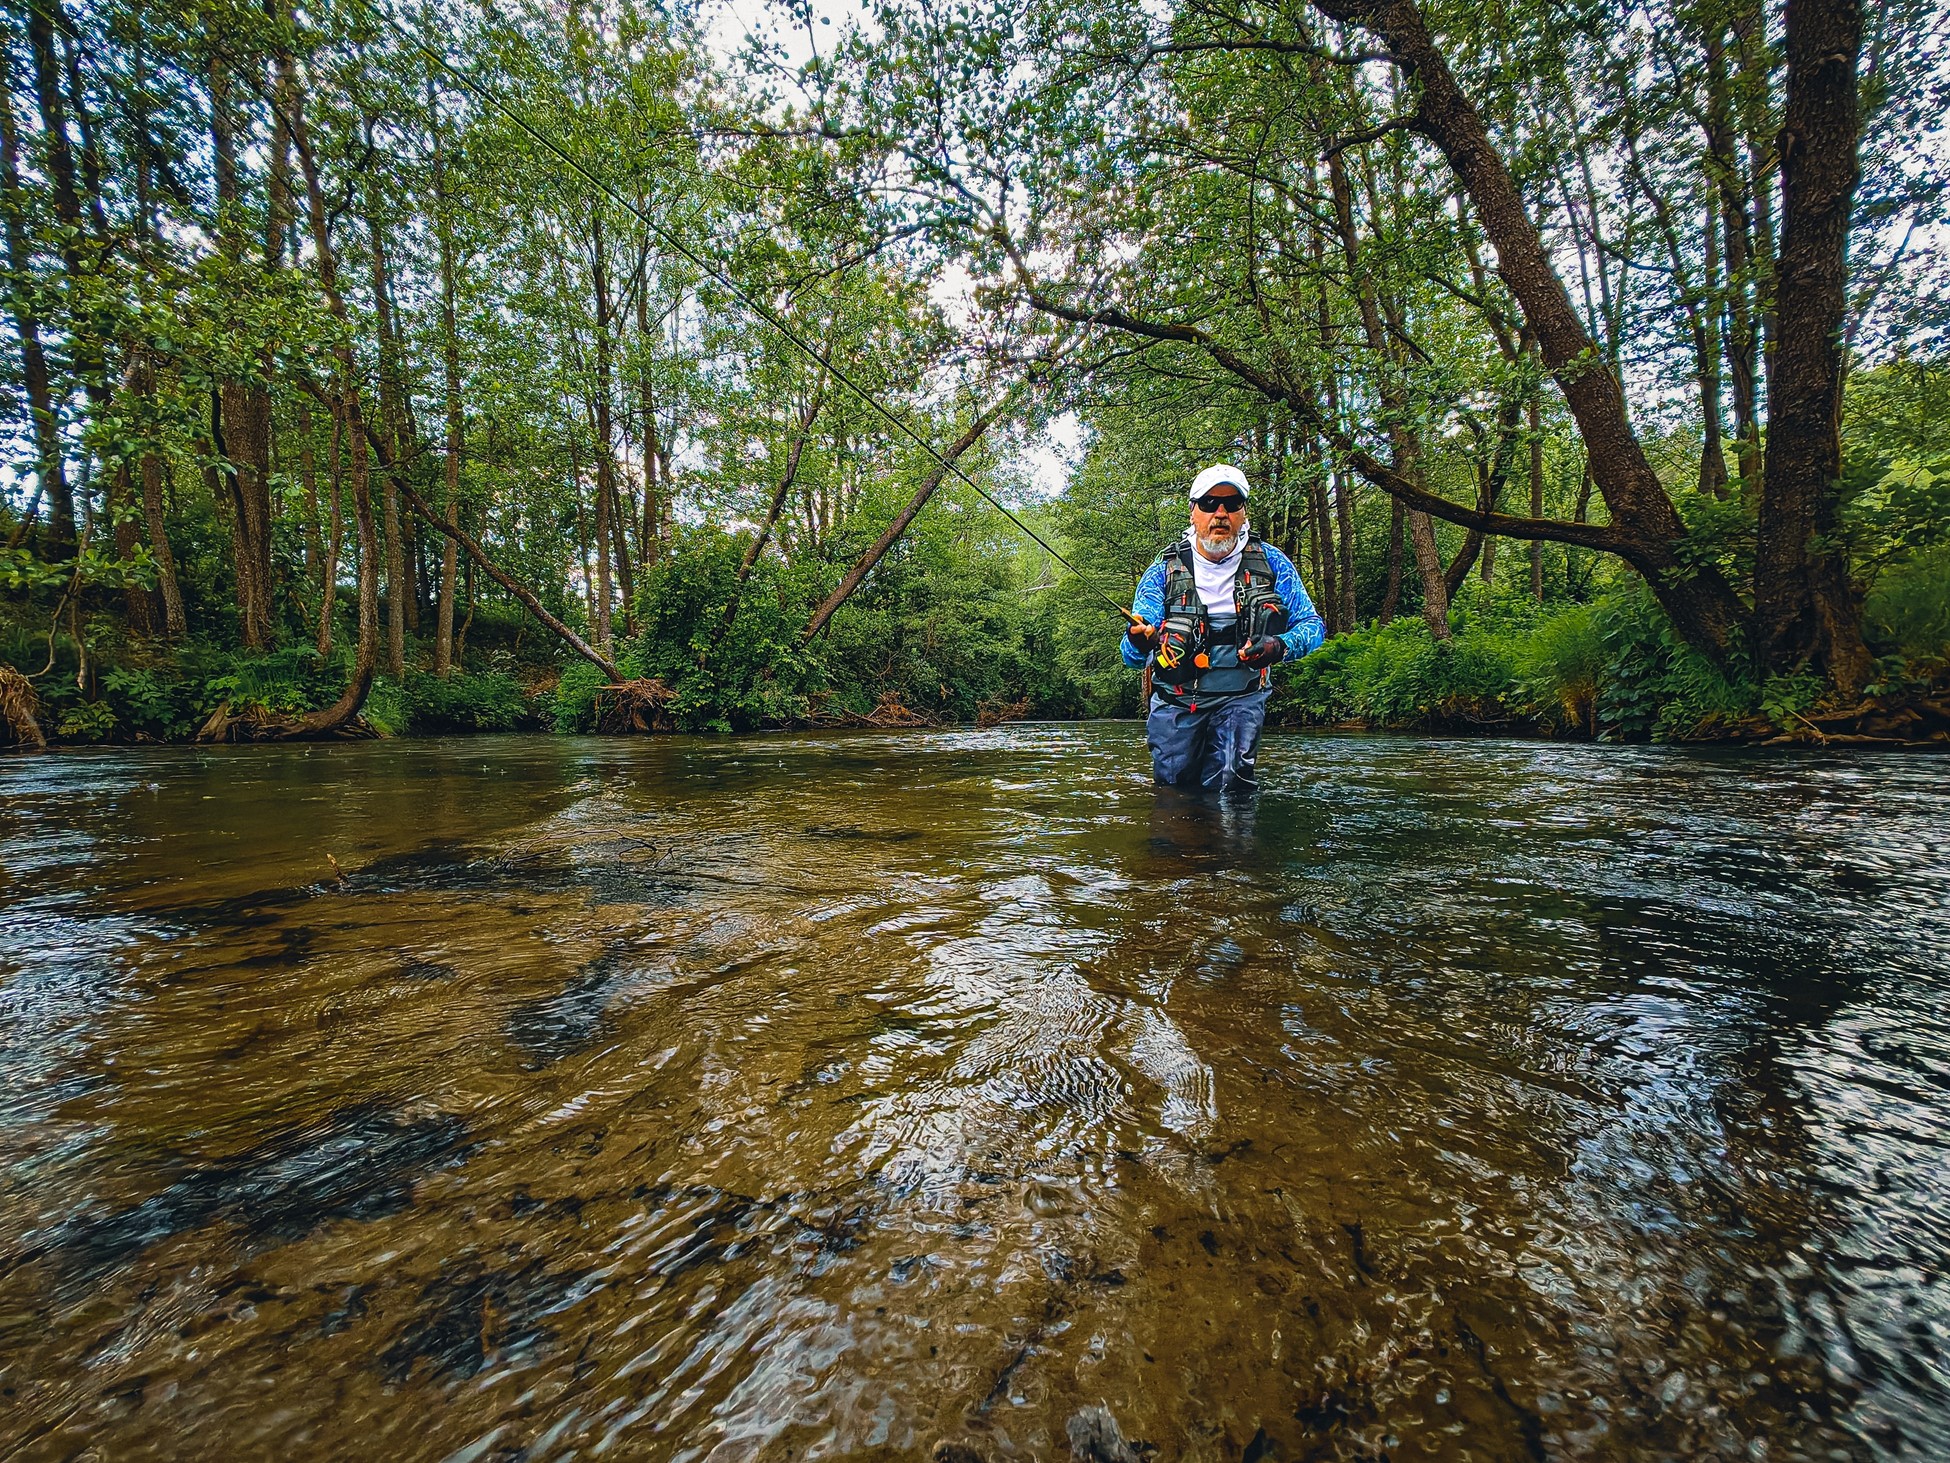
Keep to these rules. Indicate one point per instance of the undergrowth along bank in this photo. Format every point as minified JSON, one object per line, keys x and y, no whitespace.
{"x":942,"y":652}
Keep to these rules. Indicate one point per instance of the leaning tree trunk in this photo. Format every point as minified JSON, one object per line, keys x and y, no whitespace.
{"x":1805,"y":606}
{"x":891,"y":535}
{"x":1647,"y":529}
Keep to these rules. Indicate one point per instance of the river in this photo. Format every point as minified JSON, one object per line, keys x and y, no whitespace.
{"x":830,"y":1095}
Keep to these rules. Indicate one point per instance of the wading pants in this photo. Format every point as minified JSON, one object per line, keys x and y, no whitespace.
{"x":1212,"y":748}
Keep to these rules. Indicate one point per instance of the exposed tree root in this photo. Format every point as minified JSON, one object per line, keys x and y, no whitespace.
{"x":255,"y":724}
{"x":888,"y":711}
{"x":20,"y":710}
{"x":641,"y":705}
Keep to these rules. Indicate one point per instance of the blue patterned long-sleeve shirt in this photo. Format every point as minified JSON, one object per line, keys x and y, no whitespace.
{"x":1304,"y":628}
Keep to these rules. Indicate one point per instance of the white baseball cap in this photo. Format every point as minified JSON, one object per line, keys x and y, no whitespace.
{"x":1219,"y":472}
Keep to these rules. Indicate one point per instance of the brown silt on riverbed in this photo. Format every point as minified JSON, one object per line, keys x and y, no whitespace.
{"x":962,"y":1094}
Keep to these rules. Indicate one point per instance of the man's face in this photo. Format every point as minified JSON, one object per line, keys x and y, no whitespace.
{"x":1216,"y":520}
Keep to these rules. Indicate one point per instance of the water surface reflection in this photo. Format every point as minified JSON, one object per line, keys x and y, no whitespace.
{"x":825,"y":1096}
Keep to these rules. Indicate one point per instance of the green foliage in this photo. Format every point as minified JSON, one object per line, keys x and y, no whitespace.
{"x":87,"y":721}
{"x":728,"y":674}
{"x":1908,"y":611}
{"x":1613,"y":668}
{"x":283,"y":682}
{"x":572,"y":707}
{"x":1559,"y":668}
{"x":386,"y":707}
{"x":464,"y":702}
{"x":1653,"y":684}
{"x":1896,"y":461}
{"x":150,"y":703}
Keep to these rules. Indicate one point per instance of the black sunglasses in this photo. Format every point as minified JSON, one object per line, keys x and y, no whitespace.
{"x":1213,"y":502}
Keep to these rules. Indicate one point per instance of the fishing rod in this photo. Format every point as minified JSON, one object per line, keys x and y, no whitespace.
{"x":675,"y":245}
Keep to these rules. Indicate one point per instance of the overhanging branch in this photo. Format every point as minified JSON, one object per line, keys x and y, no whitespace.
{"x":1503,"y":525}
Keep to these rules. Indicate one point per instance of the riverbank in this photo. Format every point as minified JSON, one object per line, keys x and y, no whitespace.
{"x":1607,"y":670}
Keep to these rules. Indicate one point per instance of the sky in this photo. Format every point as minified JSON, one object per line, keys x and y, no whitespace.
{"x":1046,"y":461}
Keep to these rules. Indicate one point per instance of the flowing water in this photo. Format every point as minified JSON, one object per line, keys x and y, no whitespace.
{"x":829,"y":1096}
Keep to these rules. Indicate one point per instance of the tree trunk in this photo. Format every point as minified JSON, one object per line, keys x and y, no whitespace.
{"x":525,"y":596}
{"x":795,"y":451}
{"x":1391,"y":595}
{"x":1404,"y":442}
{"x":244,"y":408}
{"x":1805,"y":607}
{"x":443,"y":645}
{"x":1723,"y":169}
{"x":1713,"y":455}
{"x":1702,"y":606}
{"x":328,"y":579}
{"x":656,"y":456}
{"x":1344,"y":523}
{"x":400,"y":597}
{"x":612,"y":524}
{"x":1534,"y":412}
{"x":49,"y":467}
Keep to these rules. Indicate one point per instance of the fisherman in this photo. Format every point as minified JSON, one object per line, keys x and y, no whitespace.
{"x":1213,"y":616}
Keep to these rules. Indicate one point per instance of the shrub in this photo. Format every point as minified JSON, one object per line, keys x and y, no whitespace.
{"x":283,"y":682}
{"x":1653,"y":685}
{"x":1908,"y":611}
{"x":149,"y":703}
{"x":463,"y":702}
{"x":386,"y":707}
{"x":572,"y":706}
{"x":87,"y":721}
{"x":1559,"y":666}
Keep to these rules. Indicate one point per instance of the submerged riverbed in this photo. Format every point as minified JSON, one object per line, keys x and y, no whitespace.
{"x":824,"y":1096}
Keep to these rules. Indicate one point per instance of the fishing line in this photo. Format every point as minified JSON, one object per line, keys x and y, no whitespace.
{"x":677,"y":246}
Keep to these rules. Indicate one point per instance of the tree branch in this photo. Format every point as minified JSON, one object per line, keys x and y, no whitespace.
{"x":1553,"y":530}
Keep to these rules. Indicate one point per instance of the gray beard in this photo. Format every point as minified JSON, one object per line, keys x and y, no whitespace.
{"x":1219,"y":548}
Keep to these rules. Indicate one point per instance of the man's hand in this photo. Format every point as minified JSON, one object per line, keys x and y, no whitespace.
{"x":1143,"y":636}
{"x":1262,"y":650}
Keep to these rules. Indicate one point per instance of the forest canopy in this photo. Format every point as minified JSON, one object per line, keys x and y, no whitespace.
{"x":443,"y":366}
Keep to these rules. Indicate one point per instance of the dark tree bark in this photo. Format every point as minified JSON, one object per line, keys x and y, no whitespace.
{"x":1805,"y":606}
{"x":49,"y":466}
{"x":1645,"y":526}
{"x":1391,"y":593}
{"x":443,"y":645}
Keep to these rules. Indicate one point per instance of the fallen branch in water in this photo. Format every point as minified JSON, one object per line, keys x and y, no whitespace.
{"x":994,"y":713}
{"x":888,"y":711}
{"x":257,"y":724}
